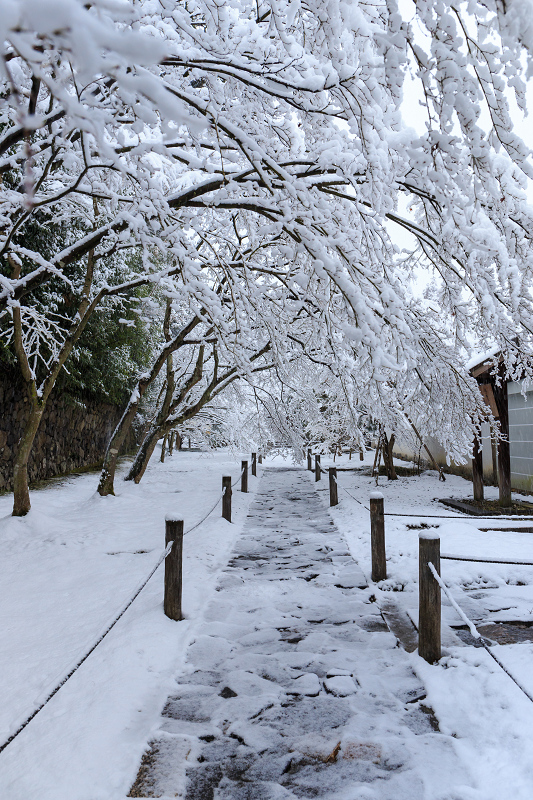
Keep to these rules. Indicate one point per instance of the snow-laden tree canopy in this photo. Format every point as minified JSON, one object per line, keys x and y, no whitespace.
{"x":280,"y":146}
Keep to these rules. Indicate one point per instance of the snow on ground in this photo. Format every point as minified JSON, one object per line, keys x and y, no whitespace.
{"x":68,"y":567}
{"x":73,"y":561}
{"x":473,"y":699}
{"x":293,"y":686}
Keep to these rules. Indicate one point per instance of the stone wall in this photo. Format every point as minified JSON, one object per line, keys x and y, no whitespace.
{"x":72,"y":436}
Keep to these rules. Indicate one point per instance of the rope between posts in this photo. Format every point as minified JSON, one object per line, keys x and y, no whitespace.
{"x":474,"y":631}
{"x":238,"y":479}
{"x":102,"y":636}
{"x":350,"y":495}
{"x":206,"y":516}
{"x":219,"y":498}
{"x":414,"y":516}
{"x":434,"y":516}
{"x":448,"y":557}
{"x":465,"y":516}
{"x":80,"y":661}
{"x":483,"y":560}
{"x":438,"y":516}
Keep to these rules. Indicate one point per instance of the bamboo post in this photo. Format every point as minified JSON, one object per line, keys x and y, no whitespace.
{"x":317,"y":468}
{"x":377,"y":537}
{"x":333,"y":492}
{"x":429,"y":640}
{"x":244,"y":476}
{"x":173,"y":569}
{"x":226,"y":498}
{"x":309,"y":461}
{"x":254,"y":464}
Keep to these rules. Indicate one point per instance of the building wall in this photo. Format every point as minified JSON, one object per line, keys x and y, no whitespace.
{"x":520,"y":439}
{"x":72,"y":435}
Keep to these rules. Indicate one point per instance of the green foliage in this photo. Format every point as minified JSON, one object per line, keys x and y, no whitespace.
{"x":109,"y":355}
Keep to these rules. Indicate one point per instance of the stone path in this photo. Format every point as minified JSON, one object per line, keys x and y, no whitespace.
{"x":294,"y":687}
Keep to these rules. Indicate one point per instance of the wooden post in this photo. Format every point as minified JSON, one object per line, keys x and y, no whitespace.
{"x":260,"y":458}
{"x":309,"y":461}
{"x":173,"y":569}
{"x":377,"y":537}
{"x":477,"y":470}
{"x":244,"y":476}
{"x":504,"y":450}
{"x":226,"y":498}
{"x":171,"y":443}
{"x":429,"y":598}
{"x":318,"y":474}
{"x":163,"y":446}
{"x":254,"y":464}
{"x":189,"y":442}
{"x":361,"y":455}
{"x":333,"y":493}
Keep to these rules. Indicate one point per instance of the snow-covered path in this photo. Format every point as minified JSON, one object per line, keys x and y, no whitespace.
{"x":292,"y":684}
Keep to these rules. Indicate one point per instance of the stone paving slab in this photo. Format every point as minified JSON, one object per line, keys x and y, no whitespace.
{"x":294,"y":687}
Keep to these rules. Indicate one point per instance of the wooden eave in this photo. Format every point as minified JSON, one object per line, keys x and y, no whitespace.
{"x":488,"y":396}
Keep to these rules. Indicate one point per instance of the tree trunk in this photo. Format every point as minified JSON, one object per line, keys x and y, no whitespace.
{"x":377,"y":456}
{"x":388,"y":446}
{"x":167,"y":417}
{"x":106,"y":485}
{"x":477,"y":470}
{"x":107,"y":478}
{"x":21,"y":491}
{"x":504,"y":450}
{"x":144,"y":454}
